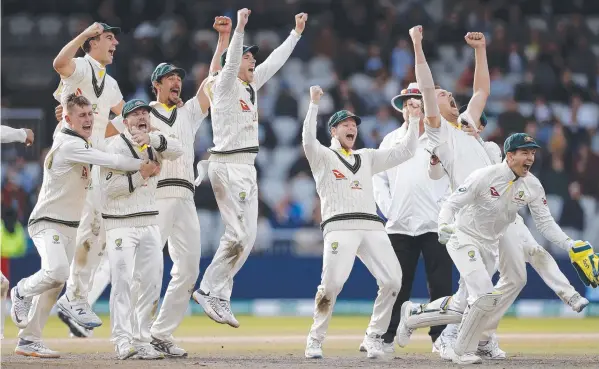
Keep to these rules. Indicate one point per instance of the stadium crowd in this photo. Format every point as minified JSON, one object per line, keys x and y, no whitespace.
{"x":543,"y":58}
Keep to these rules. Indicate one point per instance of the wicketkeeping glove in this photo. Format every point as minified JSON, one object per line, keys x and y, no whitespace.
{"x":585,"y":262}
{"x":445,"y":231}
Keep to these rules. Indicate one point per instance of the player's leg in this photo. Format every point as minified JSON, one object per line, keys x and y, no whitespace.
{"x":121,"y":244}
{"x":476,"y":265}
{"x":56,"y":251}
{"x":88,"y":252}
{"x":100,"y":280}
{"x":185,"y":251}
{"x":544,"y":264}
{"x":146,"y":285}
{"x":407,"y":252}
{"x":378,"y":256}
{"x":234,"y":188}
{"x":439,"y":269}
{"x":340,"y":248}
{"x":5,"y":285}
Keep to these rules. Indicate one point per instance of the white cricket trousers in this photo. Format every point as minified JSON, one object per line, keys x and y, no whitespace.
{"x":90,"y":242}
{"x":516,"y":248}
{"x":135,"y":256}
{"x":179,"y":223}
{"x":340,"y":250}
{"x":236,"y":192}
{"x":476,"y":263}
{"x":56,"y":249}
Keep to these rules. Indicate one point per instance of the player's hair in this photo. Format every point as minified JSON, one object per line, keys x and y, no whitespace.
{"x":86,"y":45}
{"x":74,"y":100}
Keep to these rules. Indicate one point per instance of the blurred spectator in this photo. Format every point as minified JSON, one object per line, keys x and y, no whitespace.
{"x":572,"y":216}
{"x":586,"y":170}
{"x":402,"y":59}
{"x":501,"y":88}
{"x":511,"y":120}
{"x":374,"y":63}
{"x":13,"y":234}
{"x":554,"y":176}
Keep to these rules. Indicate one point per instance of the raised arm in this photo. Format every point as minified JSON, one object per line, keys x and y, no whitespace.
{"x":223,"y":26}
{"x":230,"y":70}
{"x":279,"y":56}
{"x":404,"y":148}
{"x":424,"y":78}
{"x":312,"y":146}
{"x":64,"y":63}
{"x":482,"y":80}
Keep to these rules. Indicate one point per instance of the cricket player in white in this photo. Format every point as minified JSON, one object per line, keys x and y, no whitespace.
{"x":178,"y":219}
{"x":133,"y":237}
{"x":8,"y":135}
{"x":460,"y":154}
{"x":54,"y":220}
{"x":350,"y":224}
{"x":231,"y":168}
{"x":87,"y":76}
{"x":483,"y":207}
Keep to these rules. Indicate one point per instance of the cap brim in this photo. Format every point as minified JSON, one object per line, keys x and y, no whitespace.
{"x":180,"y":71}
{"x":529,"y":145}
{"x":115,"y":30}
{"x":397,"y":101}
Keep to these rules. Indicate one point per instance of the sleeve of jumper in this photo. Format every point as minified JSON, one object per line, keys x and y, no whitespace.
{"x":275,"y":60}
{"x":312,"y":147}
{"x":9,"y":134}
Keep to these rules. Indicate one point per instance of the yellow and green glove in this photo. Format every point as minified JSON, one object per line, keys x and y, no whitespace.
{"x":585,"y":262}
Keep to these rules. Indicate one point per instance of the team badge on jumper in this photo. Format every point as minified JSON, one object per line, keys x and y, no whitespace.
{"x":242,"y":195}
{"x":56,"y":238}
{"x":95,"y":109}
{"x":244,"y":106}
{"x":471,"y":255}
{"x":338,"y":175}
{"x":118,"y":242}
{"x":334,"y":246}
{"x":355,"y":185}
{"x":520,"y":194}
{"x":462,"y":189}
{"x":494,"y":192}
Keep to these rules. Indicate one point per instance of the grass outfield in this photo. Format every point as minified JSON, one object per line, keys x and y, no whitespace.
{"x":200,"y":335}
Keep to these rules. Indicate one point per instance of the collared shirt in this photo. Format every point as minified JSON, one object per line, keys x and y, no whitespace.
{"x":405,"y":194}
{"x":489,"y":200}
{"x":90,"y":80}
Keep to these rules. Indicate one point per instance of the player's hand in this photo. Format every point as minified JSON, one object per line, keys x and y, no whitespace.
{"x":157,"y":170}
{"x":475,"y":39}
{"x":300,"y":22}
{"x":92,"y":31}
{"x":315,"y":94}
{"x":445,"y":231}
{"x":416,"y":34}
{"x":30,"y":136}
{"x":222,"y":25}
{"x":585,"y":262}
{"x":58,"y":112}
{"x":141,"y":138}
{"x":147,"y":169}
{"x":414,"y":107}
{"x":242,"y":18}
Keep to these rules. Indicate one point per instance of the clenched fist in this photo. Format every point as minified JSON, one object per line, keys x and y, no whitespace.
{"x":300,"y":22}
{"x":242,"y":18}
{"x":93,"y":30}
{"x":414,"y":108}
{"x":416,"y":34}
{"x":222,"y":24}
{"x":58,"y":112}
{"x":475,"y":39}
{"x":315,"y":94}
{"x":30,"y":136}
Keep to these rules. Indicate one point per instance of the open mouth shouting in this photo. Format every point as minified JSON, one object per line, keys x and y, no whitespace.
{"x":350,"y":136}
{"x":87,"y":127}
{"x":526,"y":168}
{"x":452,"y":103}
{"x":111,"y":52}
{"x":175,"y":91}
